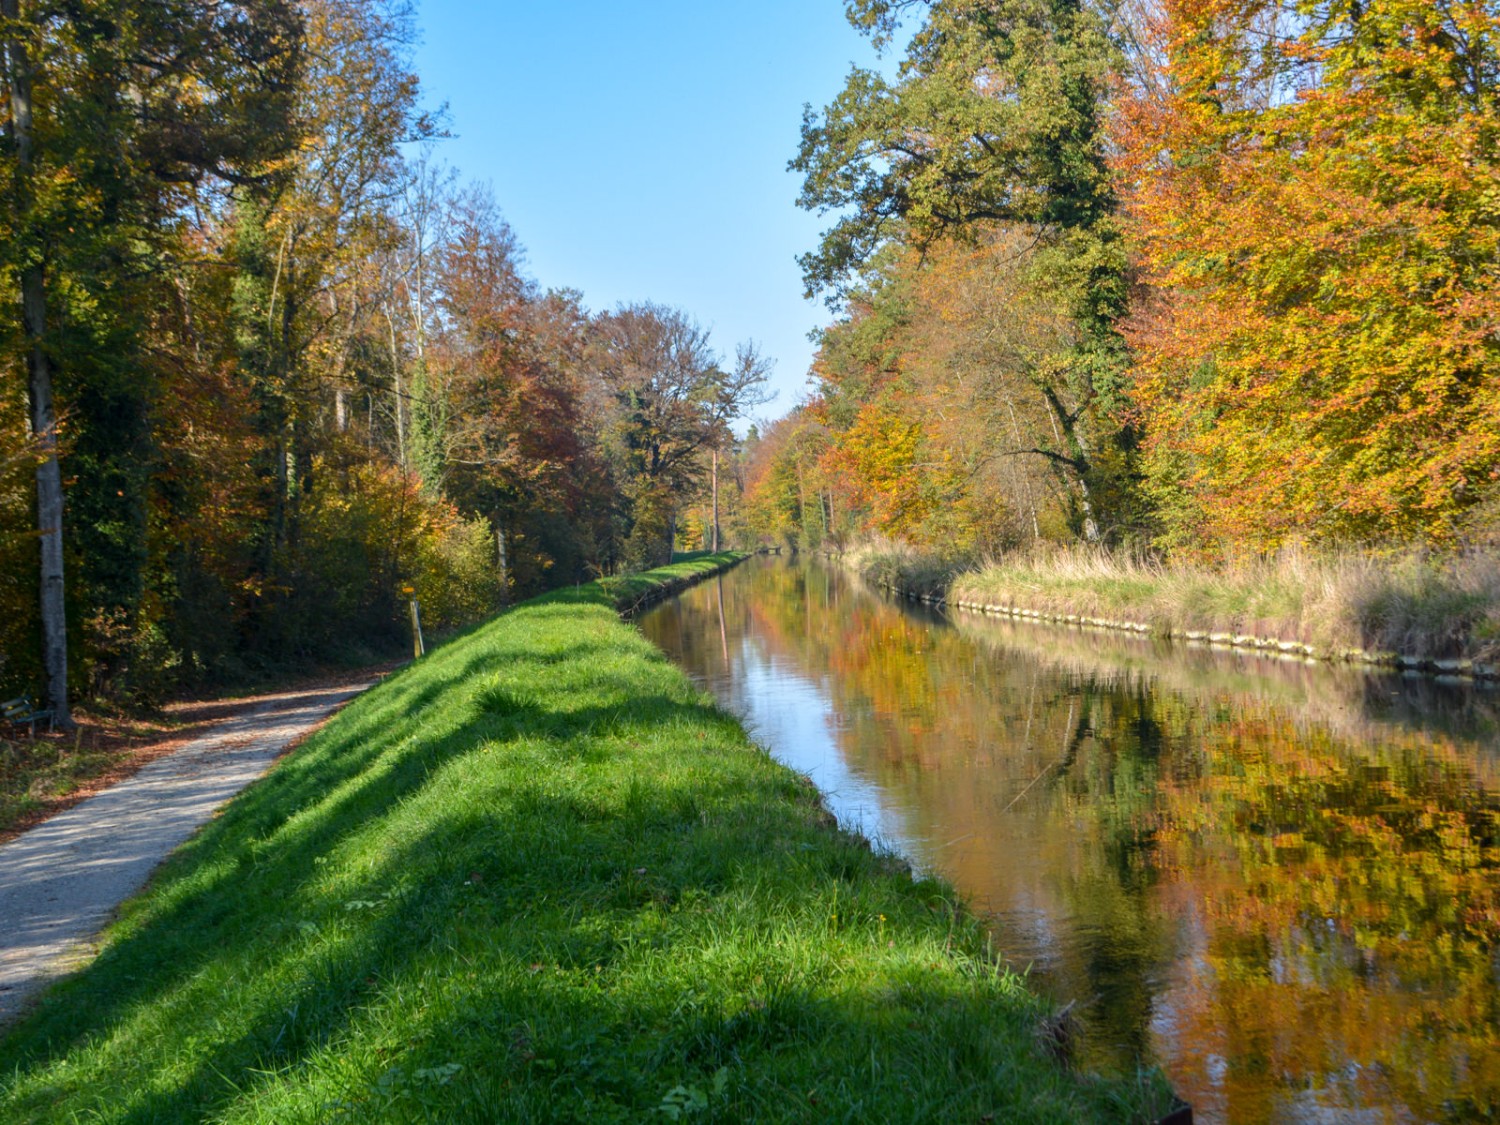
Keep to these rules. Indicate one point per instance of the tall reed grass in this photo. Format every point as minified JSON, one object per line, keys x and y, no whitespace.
{"x":1422,"y":606}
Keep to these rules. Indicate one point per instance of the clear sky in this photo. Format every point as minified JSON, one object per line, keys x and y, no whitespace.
{"x":639,"y":150}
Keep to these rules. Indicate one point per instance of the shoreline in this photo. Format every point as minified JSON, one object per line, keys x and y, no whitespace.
{"x":920,"y":578}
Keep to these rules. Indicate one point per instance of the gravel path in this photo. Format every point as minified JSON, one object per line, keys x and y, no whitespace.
{"x":61,"y":881}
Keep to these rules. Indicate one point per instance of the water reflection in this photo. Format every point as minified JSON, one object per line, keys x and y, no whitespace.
{"x":1280,"y":882}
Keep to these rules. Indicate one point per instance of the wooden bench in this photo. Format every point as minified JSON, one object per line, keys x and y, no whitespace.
{"x":23,"y":710}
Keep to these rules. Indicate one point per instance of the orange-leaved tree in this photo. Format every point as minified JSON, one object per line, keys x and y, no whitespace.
{"x":1313,"y":191}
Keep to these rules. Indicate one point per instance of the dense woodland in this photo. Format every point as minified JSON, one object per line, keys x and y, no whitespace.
{"x":1210,"y":277}
{"x":270,"y":365}
{"x":1205,"y":277}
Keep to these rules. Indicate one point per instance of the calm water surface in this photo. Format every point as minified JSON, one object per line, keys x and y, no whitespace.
{"x":1280,"y":883}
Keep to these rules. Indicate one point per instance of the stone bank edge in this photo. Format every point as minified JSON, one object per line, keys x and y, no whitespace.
{"x":1297,"y":651}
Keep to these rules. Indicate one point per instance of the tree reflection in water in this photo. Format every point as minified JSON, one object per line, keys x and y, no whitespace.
{"x":1281,"y":883}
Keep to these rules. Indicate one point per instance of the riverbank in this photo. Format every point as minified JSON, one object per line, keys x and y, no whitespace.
{"x":538,"y":876}
{"x":1418,"y":612}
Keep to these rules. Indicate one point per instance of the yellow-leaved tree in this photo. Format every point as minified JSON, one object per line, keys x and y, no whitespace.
{"x":1313,"y":190}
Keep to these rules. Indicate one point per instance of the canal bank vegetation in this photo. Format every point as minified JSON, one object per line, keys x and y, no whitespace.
{"x":1441,"y":612}
{"x":537,"y":876}
{"x":1207,"y":286}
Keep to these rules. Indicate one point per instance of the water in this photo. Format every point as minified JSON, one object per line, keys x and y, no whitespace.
{"x":1279,"y":883}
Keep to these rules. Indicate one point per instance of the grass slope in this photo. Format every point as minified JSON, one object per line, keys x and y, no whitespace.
{"x":537,"y":876}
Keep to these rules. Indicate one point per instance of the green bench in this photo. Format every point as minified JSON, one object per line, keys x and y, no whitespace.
{"x":23,"y":710}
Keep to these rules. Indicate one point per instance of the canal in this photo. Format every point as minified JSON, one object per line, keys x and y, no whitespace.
{"x":1280,"y":883}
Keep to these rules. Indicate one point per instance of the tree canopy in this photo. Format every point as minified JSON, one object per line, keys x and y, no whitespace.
{"x":280,"y":364}
{"x":1204,"y":276}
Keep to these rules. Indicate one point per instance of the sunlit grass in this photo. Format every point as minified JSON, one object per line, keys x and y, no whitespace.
{"x":538,"y":877}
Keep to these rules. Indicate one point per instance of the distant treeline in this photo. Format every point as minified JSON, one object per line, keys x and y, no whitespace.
{"x":271,"y":365}
{"x":1210,"y":277}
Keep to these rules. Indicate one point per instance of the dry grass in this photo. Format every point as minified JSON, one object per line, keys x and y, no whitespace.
{"x":1416,"y":605}
{"x":903,"y":567}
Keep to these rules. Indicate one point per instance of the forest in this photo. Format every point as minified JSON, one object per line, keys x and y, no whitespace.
{"x":1205,"y":279}
{"x":273,"y":368}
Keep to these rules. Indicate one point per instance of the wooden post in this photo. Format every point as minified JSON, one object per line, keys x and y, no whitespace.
{"x":418,"y":646}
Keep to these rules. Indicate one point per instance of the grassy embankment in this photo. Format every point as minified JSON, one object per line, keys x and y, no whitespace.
{"x":1430,"y":612}
{"x":537,"y":876}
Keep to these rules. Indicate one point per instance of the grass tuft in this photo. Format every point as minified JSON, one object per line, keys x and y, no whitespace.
{"x":537,"y":876}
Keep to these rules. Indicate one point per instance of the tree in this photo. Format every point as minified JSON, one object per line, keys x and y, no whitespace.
{"x":993,"y":132}
{"x":518,"y":447}
{"x":994,"y":119}
{"x":118,"y":112}
{"x":303,"y":243}
{"x":1313,"y":187}
{"x":673,"y":405}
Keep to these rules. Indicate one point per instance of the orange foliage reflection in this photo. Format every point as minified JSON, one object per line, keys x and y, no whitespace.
{"x":1282,"y":884}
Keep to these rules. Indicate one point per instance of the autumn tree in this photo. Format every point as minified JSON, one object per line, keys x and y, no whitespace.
{"x":117,"y":113}
{"x":1313,"y":189}
{"x":301,"y":246}
{"x":518,"y":447}
{"x":789,"y":498}
{"x":673,"y":403}
{"x":993,"y":128}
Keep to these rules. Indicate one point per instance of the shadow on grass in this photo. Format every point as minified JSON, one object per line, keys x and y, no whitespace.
{"x":269,"y":840}
{"x":569,"y":1013}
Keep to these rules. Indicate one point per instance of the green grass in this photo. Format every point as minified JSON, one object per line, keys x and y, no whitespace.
{"x":537,"y":876}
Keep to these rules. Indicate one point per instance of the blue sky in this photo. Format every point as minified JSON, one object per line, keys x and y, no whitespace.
{"x":639,"y":150}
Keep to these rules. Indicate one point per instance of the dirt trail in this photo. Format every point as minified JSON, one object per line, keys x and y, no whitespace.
{"x":62,"y":880}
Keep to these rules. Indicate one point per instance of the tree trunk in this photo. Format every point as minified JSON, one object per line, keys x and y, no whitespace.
{"x":49,"y":501}
{"x":715,"y":547}
{"x":502,"y":563}
{"x":1078,"y":455}
{"x":49,"y":490}
{"x":397,"y":393}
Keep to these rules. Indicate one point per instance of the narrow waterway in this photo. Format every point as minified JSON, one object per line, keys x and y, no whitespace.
{"x":1280,"y":883}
